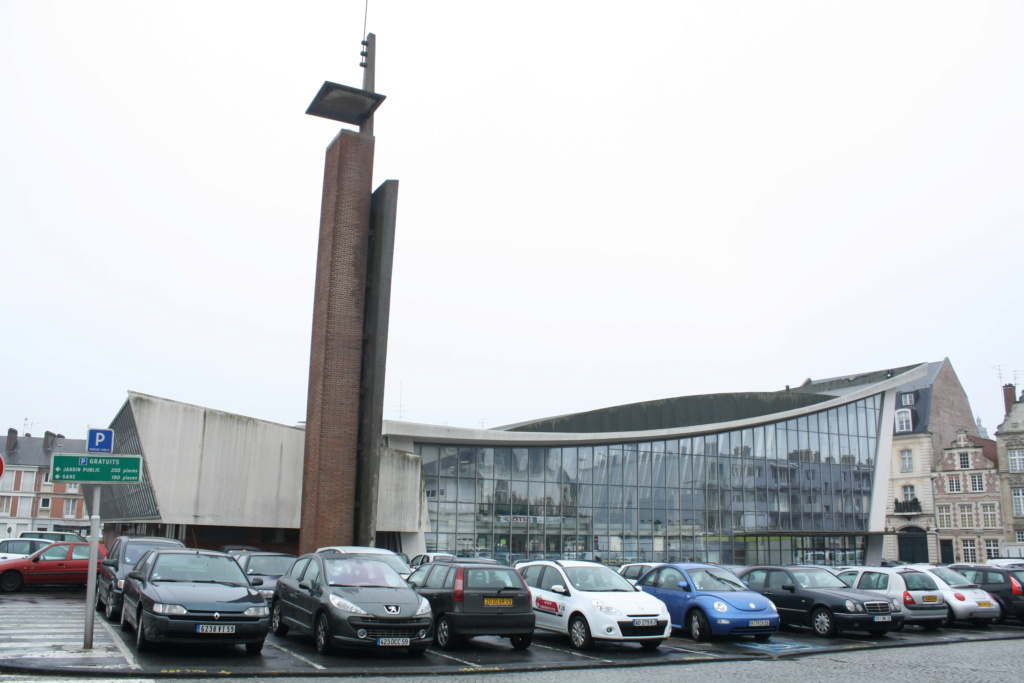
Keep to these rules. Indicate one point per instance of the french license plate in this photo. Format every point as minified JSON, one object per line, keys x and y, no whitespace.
{"x":393,"y":642}
{"x":215,"y":628}
{"x":883,"y":618}
{"x":645,"y":622}
{"x":931,"y":598}
{"x":984,"y":603}
{"x":754,"y":623}
{"x":498,"y":602}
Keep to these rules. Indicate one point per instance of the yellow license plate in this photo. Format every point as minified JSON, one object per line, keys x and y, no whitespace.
{"x":498,"y":602}
{"x":984,"y":603}
{"x":931,"y":598}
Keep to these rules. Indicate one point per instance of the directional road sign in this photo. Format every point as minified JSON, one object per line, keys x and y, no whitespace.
{"x":101,"y":441}
{"x":97,"y":469}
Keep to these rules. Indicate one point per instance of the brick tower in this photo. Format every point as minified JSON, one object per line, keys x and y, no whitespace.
{"x":351,"y":304}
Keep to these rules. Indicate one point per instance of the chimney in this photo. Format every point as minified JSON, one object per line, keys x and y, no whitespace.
{"x":48,"y":438}
{"x":1009,"y":398}
{"x":12,"y":440}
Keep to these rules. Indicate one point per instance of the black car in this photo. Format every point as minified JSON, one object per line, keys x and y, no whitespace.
{"x":266,"y":565}
{"x":1004,"y":583}
{"x":815,"y":597}
{"x":470,"y":598}
{"x":350,"y":601}
{"x":124,"y":553}
{"x":184,"y":595}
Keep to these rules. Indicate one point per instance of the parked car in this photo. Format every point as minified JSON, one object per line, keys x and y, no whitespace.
{"x":267,"y":566}
{"x":633,"y":571}
{"x":124,"y":553}
{"x":350,"y":601}
{"x":15,"y":548}
{"x":233,"y":549}
{"x":922,"y":601}
{"x":470,"y":598}
{"x":589,"y":601}
{"x":57,"y":563}
{"x":966,"y":601}
{"x":815,"y":597}
{"x":383,"y":554}
{"x":1005,"y":561}
{"x":53,"y":536}
{"x":185,"y":595}
{"x":1005,"y":583}
{"x":427,"y":558}
{"x":709,"y":600}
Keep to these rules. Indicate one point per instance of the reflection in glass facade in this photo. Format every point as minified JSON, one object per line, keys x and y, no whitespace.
{"x":792,"y":491}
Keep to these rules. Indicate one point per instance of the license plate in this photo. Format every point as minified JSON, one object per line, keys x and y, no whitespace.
{"x":931,"y":598}
{"x":754,"y":623}
{"x":498,"y":602}
{"x":885,"y":618}
{"x":984,"y":603}
{"x":393,"y":642}
{"x":215,"y":628}
{"x":645,"y":622}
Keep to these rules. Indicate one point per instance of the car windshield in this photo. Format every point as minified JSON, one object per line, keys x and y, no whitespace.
{"x":715,"y":580}
{"x":951,"y":577}
{"x":363,"y":571}
{"x":390,"y":560}
{"x":133,"y":552}
{"x":817,"y":578}
{"x":268,"y":565}
{"x":198,"y":568}
{"x":597,"y":578}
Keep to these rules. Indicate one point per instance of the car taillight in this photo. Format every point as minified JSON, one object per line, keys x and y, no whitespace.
{"x":959,"y":596}
{"x":459,"y":584}
{"x":1015,"y":587}
{"x":908,"y":599}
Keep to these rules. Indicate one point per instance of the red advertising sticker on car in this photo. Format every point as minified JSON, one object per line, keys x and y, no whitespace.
{"x":549,"y":606}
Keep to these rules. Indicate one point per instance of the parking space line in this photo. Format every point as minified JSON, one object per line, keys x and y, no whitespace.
{"x":119,"y":644}
{"x":295,"y":654}
{"x":455,"y":659}
{"x":573,"y":652}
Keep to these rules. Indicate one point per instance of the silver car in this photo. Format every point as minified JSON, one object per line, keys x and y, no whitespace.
{"x":966,"y":601}
{"x":915,"y":591}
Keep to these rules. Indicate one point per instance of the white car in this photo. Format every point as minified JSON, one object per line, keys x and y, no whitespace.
{"x":966,"y":601}
{"x":588,"y":601}
{"x":633,"y":571}
{"x":19,"y":548}
{"x":388,"y":557}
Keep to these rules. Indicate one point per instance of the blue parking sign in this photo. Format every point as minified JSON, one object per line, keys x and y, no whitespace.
{"x":101,"y":441}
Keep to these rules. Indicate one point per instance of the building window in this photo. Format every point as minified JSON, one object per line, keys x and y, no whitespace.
{"x":5,"y":505}
{"x":46,"y":476}
{"x":7,"y":481}
{"x":903,"y":421}
{"x":945,"y":516}
{"x":28,"y":481}
{"x":69,"y":507}
{"x":1016,"y":459}
{"x":965,"y":461}
{"x":991,"y":549}
{"x":44,"y":503}
{"x":988,"y":515}
{"x":977,"y":482}
{"x":966,"y":517}
{"x":71,"y":488}
{"x":1020,"y":537}
{"x":1018,"y":502}
{"x":906,"y":461}
{"x":954,"y":483}
{"x":908,"y":399}
{"x":970,"y":551}
{"x":908,"y":494}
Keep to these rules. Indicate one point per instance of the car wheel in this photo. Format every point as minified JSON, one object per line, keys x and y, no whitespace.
{"x":141,"y":641}
{"x":700,"y":629}
{"x":521,"y":642}
{"x":579,"y":633}
{"x":10,"y":582}
{"x":277,"y":625}
{"x":108,"y":609}
{"x":99,"y":603}
{"x":322,"y":634}
{"x":254,"y":648}
{"x":443,"y":635}
{"x":823,"y":622}
{"x":950,"y":619}
{"x":125,"y":626}
{"x":650,"y":645}
{"x":762,"y":637}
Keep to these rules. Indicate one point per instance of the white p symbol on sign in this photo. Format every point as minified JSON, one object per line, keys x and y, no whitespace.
{"x":101,"y":440}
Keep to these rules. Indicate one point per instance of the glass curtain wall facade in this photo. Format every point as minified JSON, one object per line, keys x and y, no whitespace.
{"x":791,"y":491}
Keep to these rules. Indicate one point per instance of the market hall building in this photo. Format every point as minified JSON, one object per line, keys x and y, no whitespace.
{"x":797,"y":476}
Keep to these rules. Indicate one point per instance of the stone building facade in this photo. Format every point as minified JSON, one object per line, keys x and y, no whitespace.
{"x":968,"y":501}
{"x":1010,"y":454}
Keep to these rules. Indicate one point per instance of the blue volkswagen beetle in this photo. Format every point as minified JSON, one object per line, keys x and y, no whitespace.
{"x":706,"y":600}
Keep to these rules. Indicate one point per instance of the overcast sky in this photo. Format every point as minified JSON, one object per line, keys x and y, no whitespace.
{"x":600,"y":202}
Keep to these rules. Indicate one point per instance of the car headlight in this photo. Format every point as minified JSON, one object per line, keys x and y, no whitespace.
{"x":772,"y":605}
{"x":851,"y":606}
{"x":424,"y":607}
{"x":720,"y":606}
{"x":162,"y":608}
{"x":267,"y":594}
{"x":604,"y":608}
{"x":346,"y":606}
{"x":261,"y":611}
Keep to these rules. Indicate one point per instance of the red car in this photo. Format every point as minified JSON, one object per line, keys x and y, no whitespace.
{"x":66,"y":563}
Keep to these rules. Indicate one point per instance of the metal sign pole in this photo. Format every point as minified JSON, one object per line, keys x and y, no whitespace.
{"x":94,"y":553}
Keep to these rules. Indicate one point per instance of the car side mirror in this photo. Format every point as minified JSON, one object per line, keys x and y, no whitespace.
{"x":789,"y":587}
{"x":683,"y":586}
{"x":559,"y":588}
{"x":256,"y":581}
{"x":110,"y":562}
{"x":136,"y":575}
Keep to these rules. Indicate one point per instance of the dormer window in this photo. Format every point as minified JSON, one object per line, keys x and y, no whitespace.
{"x":908,"y":399}
{"x":965,"y":461}
{"x":904,"y":423}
